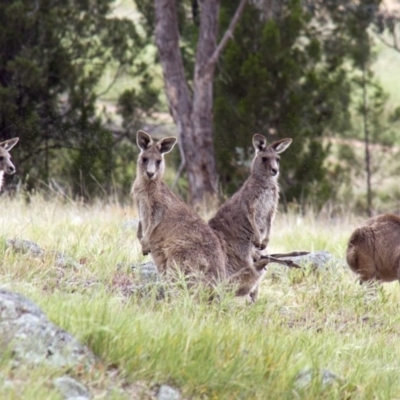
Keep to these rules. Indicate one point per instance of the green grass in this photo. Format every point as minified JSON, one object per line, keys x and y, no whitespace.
{"x":225,"y":350}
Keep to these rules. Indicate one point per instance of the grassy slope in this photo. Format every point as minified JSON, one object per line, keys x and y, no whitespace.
{"x":225,"y":351}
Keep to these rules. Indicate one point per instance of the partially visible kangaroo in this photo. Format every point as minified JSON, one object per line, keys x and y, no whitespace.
{"x":245,"y":220}
{"x":6,"y":166}
{"x":373,"y":251}
{"x":169,"y":229}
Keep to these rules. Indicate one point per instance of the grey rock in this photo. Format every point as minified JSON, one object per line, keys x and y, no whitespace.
{"x":71,"y":389}
{"x":78,"y":398}
{"x":147,"y":272}
{"x":28,"y":247}
{"x":306,"y":377}
{"x":168,"y":393}
{"x":65,"y":261}
{"x":316,"y":260}
{"x":31,"y":338}
{"x":25,"y":247}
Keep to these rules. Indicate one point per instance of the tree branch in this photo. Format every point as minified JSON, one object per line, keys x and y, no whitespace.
{"x":111,"y":84}
{"x":394,"y":46}
{"x":227,"y":35}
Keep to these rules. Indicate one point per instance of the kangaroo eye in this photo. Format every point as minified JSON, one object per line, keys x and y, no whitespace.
{"x":1,"y":158}
{"x":265,"y":159}
{"x":144,"y":159}
{"x":158,"y":162}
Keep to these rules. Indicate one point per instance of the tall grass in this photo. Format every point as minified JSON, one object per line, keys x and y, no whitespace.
{"x":224,"y":350}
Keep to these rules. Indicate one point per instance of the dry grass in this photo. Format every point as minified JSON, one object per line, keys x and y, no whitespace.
{"x":303,"y":319}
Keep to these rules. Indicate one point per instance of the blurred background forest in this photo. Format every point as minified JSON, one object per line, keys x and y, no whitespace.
{"x":78,"y":78}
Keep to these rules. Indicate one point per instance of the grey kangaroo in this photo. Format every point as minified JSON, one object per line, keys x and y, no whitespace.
{"x":244,"y":222}
{"x":174,"y":235}
{"x":6,"y":166}
{"x":373,"y":251}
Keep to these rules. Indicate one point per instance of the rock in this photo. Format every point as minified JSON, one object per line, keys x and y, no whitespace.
{"x":168,"y":393}
{"x":71,"y":389}
{"x":28,"y":247}
{"x":304,"y":378}
{"x":147,"y":272}
{"x":31,"y":338}
{"x":25,"y":247}
{"x":64,"y":261}
{"x":317,"y":260}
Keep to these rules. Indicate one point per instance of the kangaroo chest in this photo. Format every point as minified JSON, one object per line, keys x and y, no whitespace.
{"x":144,"y":197}
{"x":264,"y":209}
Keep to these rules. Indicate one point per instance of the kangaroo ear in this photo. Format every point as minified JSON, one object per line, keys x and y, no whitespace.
{"x":9,"y":144}
{"x":281,"y":145}
{"x":143,"y":140}
{"x":166,"y":145}
{"x":259,"y":142}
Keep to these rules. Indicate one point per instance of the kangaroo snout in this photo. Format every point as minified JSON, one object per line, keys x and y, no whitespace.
{"x":274,"y":171}
{"x":150,"y":174}
{"x":10,"y":170}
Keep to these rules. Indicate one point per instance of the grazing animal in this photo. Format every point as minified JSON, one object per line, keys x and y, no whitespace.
{"x":373,"y":251}
{"x":6,"y":166}
{"x":174,"y":235}
{"x":244,"y":221}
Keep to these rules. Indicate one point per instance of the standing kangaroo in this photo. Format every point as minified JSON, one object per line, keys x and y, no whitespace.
{"x":6,"y":166}
{"x":373,"y":251}
{"x":169,"y":229}
{"x":245,"y":220}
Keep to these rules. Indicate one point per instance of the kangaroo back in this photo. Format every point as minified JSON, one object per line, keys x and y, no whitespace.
{"x":373,"y":250}
{"x":6,"y":166}
{"x":245,"y":220}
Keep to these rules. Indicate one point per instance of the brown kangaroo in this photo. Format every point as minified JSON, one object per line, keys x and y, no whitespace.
{"x":245,"y":220}
{"x":169,"y":229}
{"x":6,"y":166}
{"x":373,"y":251}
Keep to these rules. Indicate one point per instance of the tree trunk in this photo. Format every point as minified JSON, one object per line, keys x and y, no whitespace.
{"x":198,"y":146}
{"x":193,"y":112}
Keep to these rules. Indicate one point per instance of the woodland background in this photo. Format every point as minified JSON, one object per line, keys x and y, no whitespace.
{"x":79,"y":78}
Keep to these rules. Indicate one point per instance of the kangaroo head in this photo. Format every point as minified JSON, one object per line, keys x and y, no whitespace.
{"x":266,"y":159}
{"x":5,"y":159}
{"x":151,"y":163}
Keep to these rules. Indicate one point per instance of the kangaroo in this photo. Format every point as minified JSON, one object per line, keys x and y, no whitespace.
{"x":244,"y":221}
{"x":373,"y":251}
{"x":169,"y":229}
{"x":6,"y":166}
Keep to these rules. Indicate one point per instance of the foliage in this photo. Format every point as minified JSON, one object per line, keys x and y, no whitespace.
{"x":287,"y":75}
{"x":53,"y":56}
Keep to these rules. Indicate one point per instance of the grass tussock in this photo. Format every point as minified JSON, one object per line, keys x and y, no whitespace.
{"x":225,"y":349}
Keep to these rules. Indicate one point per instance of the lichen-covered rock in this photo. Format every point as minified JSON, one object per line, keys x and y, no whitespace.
{"x":147,"y":272}
{"x":144,"y":273}
{"x":71,"y":389}
{"x":25,"y":247}
{"x":323,"y":376}
{"x":316,"y":260}
{"x":65,"y":261}
{"x":30,"y":337}
{"x":61,"y":260}
{"x":168,"y":393}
